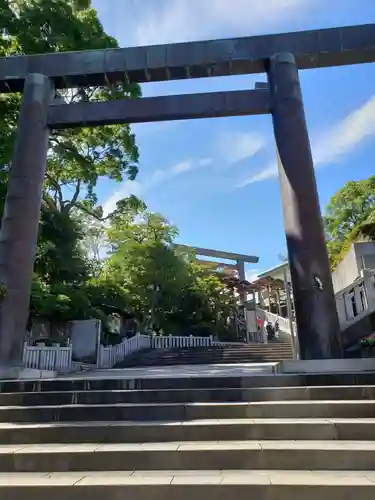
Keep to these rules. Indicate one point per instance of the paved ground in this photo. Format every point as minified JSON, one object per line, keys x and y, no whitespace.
{"x":231,"y":370}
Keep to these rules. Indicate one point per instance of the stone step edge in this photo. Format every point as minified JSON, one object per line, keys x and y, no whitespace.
{"x":300,"y":388}
{"x":204,"y":479}
{"x":192,"y":423}
{"x":334,"y":402}
{"x":136,"y":379}
{"x":9,"y":426}
{"x":45,"y":449}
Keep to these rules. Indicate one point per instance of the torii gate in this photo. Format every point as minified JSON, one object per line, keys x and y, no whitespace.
{"x":240,"y":260}
{"x":280,"y":56}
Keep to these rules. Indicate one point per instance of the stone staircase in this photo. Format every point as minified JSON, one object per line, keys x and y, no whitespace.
{"x":216,"y":354}
{"x":263,"y":437}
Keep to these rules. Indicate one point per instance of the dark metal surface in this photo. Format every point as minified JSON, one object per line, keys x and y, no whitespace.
{"x":149,"y":109}
{"x":312,"y":49}
{"x":316,"y":316}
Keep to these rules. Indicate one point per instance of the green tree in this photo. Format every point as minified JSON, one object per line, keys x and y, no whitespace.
{"x":167,"y":289}
{"x":79,"y":157}
{"x":144,"y":261}
{"x":207,"y":305}
{"x":349,"y":216}
{"x":60,"y":258}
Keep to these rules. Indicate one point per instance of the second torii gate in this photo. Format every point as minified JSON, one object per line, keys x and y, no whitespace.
{"x":240,"y":260}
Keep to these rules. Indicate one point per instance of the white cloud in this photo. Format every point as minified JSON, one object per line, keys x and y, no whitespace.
{"x":346,"y":135}
{"x":158,"y":177}
{"x":205,"y":162}
{"x":238,"y":146}
{"x":263,"y":175}
{"x":181,"y":167}
{"x":184,"y":20}
{"x":330,"y":146}
{"x":126,"y":189}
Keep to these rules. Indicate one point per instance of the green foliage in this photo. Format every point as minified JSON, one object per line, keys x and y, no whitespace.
{"x":369,"y":342}
{"x":168,"y":291}
{"x":350,"y":217}
{"x":78,"y":157}
{"x":61,"y":303}
{"x":144,"y":274}
{"x":59,"y":258}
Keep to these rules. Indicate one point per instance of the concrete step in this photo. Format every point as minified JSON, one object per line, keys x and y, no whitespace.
{"x":261,"y":350}
{"x":188,"y":395}
{"x":185,"y":485}
{"x":198,"y":455}
{"x":260,"y":436}
{"x":228,"y":355}
{"x":127,"y":380}
{"x":194,"y":430}
{"x":223,"y":348}
{"x":241,"y":353}
{"x":189,"y":411}
{"x":205,"y":361}
{"x":227,"y":350}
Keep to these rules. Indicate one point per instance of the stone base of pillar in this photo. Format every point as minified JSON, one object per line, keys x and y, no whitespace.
{"x":9,"y":372}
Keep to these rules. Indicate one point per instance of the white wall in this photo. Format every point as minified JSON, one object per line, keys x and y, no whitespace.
{"x":365,"y":253}
{"x":349,"y":269}
{"x":346,"y":272}
{"x":86,"y":340}
{"x":251,"y":321}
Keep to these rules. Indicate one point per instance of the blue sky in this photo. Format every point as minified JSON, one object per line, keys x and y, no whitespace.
{"x":215,"y":178}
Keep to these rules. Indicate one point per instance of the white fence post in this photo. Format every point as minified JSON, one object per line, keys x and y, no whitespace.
{"x":179,"y":342}
{"x":41,"y":357}
{"x":111,"y":355}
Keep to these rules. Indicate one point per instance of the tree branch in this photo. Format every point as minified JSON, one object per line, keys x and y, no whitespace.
{"x":57,"y":188}
{"x":92,"y":214}
{"x":71,"y":149}
{"x":68,"y":205}
{"x":49,"y":202}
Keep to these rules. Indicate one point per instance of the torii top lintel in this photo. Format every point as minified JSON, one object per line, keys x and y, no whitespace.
{"x":207,"y":252}
{"x":235,"y":56}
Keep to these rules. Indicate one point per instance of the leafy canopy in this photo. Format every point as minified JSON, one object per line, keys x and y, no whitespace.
{"x":78,"y":158}
{"x":349,"y":216}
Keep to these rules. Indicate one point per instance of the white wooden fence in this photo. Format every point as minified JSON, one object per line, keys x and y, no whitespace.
{"x":171,"y":341}
{"x":110,"y":355}
{"x":60,"y":358}
{"x":54,"y":358}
